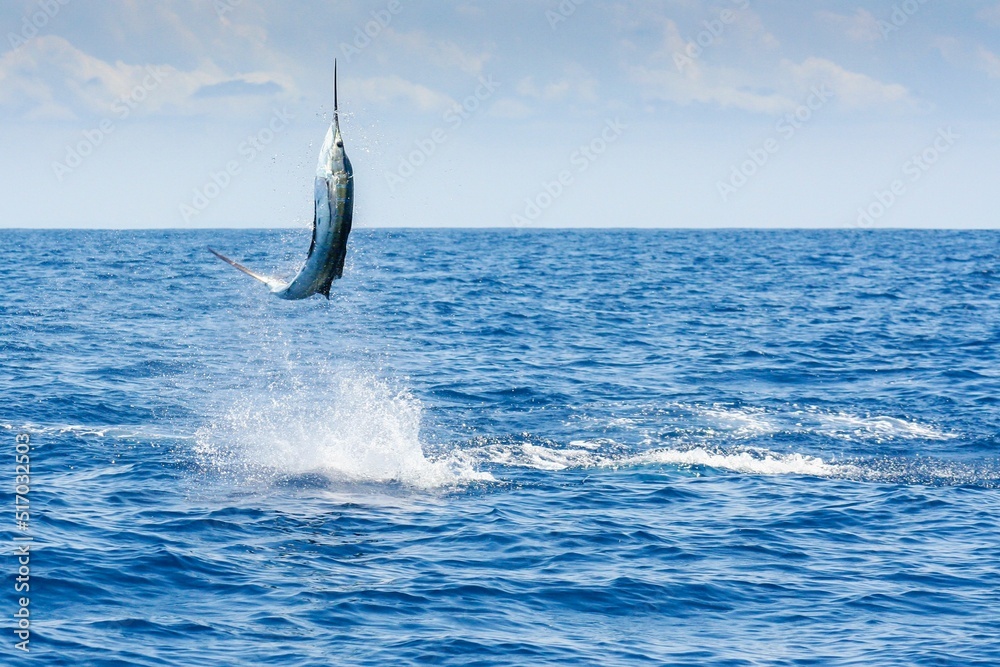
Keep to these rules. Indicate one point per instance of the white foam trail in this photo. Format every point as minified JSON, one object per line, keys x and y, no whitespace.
{"x":123,"y":432}
{"x":761,"y":462}
{"x":739,"y":422}
{"x":598,"y":454}
{"x":848,"y":426}
{"x":546,"y":458}
{"x":749,"y":422}
{"x":696,"y":423}
{"x":353,"y":427}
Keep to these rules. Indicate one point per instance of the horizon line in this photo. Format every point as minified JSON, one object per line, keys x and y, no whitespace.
{"x":524,"y":228}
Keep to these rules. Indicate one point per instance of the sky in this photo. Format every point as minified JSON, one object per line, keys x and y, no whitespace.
{"x":524,"y":113}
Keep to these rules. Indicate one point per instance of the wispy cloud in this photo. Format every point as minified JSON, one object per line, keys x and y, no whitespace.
{"x":390,"y":90}
{"x":990,"y":15}
{"x":854,"y":90}
{"x":989,"y":62}
{"x":861,"y":26}
{"x":50,"y":78}
{"x":440,"y":52}
{"x":510,"y":108}
{"x":974,"y":57}
{"x":762,"y":85}
{"x":575,"y":85}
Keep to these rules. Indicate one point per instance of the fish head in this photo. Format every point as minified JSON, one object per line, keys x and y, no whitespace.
{"x":332,"y":157}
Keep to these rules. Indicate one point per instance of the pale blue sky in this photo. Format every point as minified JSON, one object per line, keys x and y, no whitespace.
{"x":589,"y":113}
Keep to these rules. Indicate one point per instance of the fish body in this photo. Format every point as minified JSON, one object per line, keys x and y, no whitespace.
{"x":333,"y":191}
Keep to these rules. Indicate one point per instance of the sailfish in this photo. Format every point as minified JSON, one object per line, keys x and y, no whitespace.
{"x":334,"y":210}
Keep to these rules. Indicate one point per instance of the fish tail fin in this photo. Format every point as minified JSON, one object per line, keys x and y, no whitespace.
{"x":273,"y":283}
{"x":324,"y":289}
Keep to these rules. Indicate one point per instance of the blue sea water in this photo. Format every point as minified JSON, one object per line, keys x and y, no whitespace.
{"x":506,"y":447}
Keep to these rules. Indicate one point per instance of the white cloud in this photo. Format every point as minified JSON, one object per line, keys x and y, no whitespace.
{"x":660,"y":77}
{"x":749,"y":31}
{"x":672,"y":74}
{"x":962,"y":55}
{"x":469,"y":10}
{"x":386,"y":90}
{"x":861,"y":26}
{"x":779,"y":90}
{"x":576,"y":85}
{"x":510,"y":108}
{"x":990,"y":15}
{"x":49,"y":78}
{"x":948,"y":47}
{"x":713,"y":86}
{"x":441,"y":52}
{"x":989,"y":62}
{"x":853,"y":90}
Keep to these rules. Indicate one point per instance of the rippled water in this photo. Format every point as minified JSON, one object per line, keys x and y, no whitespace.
{"x":508,"y":447}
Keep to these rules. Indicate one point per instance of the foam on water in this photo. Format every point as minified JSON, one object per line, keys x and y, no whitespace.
{"x":607,"y":454}
{"x":701,"y":423}
{"x":756,"y":462}
{"x":352,"y":427}
{"x":119,"y":432}
{"x":743,"y":422}
{"x":748,"y":422}
{"x":878,"y":427}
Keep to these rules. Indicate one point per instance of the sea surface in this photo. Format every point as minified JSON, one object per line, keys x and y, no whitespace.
{"x":505,"y":447}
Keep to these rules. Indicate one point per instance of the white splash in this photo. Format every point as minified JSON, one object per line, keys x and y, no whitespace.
{"x":354,"y":427}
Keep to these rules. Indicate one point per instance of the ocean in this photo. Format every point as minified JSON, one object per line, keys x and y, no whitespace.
{"x":503,"y":447}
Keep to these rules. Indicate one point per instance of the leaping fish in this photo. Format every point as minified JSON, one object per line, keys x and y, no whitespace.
{"x":334,"y":195}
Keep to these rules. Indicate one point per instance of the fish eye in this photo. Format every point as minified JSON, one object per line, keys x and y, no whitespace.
{"x":340,"y":144}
